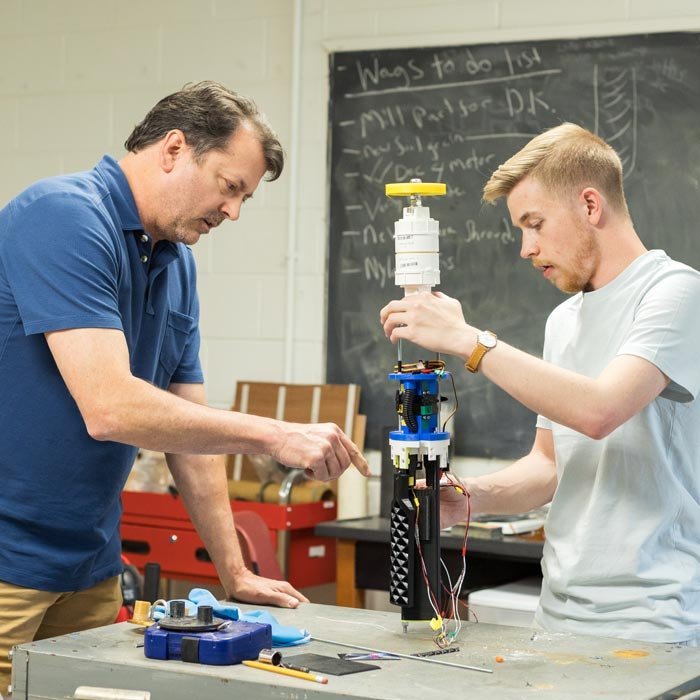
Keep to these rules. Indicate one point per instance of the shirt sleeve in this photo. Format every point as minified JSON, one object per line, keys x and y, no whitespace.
{"x":666,"y":332}
{"x":62,"y":265}
{"x":189,"y":370}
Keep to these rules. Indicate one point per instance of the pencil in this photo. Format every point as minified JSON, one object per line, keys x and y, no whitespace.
{"x":286,"y":671}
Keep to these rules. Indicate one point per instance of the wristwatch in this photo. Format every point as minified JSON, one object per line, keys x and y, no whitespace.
{"x":485,"y":341}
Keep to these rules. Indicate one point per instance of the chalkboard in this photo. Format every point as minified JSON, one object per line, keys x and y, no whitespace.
{"x":453,"y":114}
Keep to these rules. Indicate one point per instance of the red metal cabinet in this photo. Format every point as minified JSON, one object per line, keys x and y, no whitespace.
{"x":156,"y":528}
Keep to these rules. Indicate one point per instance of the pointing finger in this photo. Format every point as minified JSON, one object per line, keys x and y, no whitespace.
{"x":356,"y":456}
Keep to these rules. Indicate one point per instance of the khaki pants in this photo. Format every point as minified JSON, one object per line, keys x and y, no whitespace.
{"x":28,"y":615}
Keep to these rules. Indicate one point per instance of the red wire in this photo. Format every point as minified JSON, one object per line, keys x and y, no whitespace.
{"x":466,"y":529}
{"x":422,"y":561}
{"x":469,"y":517}
{"x":424,"y":572}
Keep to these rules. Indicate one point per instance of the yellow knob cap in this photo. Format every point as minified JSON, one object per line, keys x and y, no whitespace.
{"x":424,"y":189}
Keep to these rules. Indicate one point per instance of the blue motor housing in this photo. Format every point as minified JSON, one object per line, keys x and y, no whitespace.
{"x":236,"y":642}
{"x":418,"y":404}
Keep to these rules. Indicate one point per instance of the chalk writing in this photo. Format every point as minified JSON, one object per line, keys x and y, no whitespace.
{"x":377,"y":73}
{"x":476,"y":235}
{"x":453,"y":114}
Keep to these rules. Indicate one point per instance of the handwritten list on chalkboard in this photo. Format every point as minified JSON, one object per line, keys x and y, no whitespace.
{"x":453,"y":114}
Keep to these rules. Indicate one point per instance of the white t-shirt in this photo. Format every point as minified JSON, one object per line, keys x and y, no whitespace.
{"x":622,"y":555}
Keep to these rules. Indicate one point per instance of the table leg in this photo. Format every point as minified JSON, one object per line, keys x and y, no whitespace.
{"x":346,"y":592}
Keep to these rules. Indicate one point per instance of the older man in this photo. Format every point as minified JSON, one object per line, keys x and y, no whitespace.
{"x":99,"y":346}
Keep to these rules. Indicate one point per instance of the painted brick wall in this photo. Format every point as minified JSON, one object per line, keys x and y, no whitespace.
{"x":76,"y":75}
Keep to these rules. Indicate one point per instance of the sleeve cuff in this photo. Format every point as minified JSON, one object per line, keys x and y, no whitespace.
{"x":63,"y":323}
{"x":188,"y":378}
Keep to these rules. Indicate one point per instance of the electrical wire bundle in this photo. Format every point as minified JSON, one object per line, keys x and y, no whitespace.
{"x":422,"y":366}
{"x":449,"y":611}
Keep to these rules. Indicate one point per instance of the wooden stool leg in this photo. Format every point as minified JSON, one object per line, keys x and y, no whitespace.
{"x":346,"y":592}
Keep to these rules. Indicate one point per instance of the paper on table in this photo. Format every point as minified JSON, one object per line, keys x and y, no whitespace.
{"x":519,"y":527}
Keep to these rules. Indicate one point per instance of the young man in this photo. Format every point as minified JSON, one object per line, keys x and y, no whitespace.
{"x":99,"y":346}
{"x":617,"y":445}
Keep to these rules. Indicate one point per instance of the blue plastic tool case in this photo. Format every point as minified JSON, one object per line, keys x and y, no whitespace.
{"x":236,"y":642}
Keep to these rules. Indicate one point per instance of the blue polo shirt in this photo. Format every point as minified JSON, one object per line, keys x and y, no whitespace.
{"x":73,"y":254}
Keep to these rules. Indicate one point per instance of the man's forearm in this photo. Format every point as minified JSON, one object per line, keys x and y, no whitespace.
{"x":593,"y":406}
{"x":140,"y":414}
{"x":565,"y":397}
{"x":526,"y":484}
{"x":116,"y":406}
{"x":202,"y":483}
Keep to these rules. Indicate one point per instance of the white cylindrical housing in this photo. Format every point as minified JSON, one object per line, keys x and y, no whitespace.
{"x":416,"y":231}
{"x":417,"y":248}
{"x":417,"y":269}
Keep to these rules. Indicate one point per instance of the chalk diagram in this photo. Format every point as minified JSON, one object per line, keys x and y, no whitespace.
{"x":615,"y":104}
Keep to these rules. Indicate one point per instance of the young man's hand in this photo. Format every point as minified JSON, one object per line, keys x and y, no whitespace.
{"x":453,"y":502}
{"x":432,"y":320}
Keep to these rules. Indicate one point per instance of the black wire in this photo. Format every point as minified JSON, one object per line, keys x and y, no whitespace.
{"x":409,"y":409}
{"x":454,"y":391}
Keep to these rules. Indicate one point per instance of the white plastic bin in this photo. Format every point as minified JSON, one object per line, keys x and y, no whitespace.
{"x":511,"y":604}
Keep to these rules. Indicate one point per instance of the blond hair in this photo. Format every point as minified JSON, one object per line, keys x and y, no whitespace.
{"x":564,"y":159}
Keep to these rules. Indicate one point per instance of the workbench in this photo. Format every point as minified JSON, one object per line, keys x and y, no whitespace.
{"x":558,"y":666}
{"x":362,"y":556}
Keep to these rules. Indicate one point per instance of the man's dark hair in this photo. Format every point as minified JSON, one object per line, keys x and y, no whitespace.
{"x":208,"y":114}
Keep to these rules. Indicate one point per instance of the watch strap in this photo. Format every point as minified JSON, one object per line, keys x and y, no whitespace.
{"x":472,"y":364}
{"x":475,"y":358}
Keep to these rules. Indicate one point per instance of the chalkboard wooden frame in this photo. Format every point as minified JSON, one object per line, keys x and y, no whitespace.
{"x":452,"y":114}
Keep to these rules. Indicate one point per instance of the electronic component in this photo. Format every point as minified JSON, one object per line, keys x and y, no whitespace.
{"x":419,"y":446}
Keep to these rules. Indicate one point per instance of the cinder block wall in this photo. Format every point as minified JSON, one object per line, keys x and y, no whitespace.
{"x":76,"y":75}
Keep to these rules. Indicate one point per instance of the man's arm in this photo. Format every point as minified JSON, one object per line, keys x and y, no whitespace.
{"x":115,"y":405}
{"x":592,"y":406}
{"x":526,"y":484}
{"x":201,"y":481}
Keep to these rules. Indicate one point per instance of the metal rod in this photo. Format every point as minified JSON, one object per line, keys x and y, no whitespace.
{"x":403,"y":656}
{"x":400,"y":369}
{"x":680,"y":690}
{"x":439,"y":405}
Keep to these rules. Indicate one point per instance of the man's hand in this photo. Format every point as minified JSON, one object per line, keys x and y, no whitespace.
{"x":322,"y":449}
{"x":453,"y":502}
{"x":432,"y":320}
{"x":453,"y":505}
{"x":249,"y":588}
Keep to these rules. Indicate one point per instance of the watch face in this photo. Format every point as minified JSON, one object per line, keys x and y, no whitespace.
{"x":487,"y":339}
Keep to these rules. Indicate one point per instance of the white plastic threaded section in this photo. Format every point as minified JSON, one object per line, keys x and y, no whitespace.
{"x":417,"y":249}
